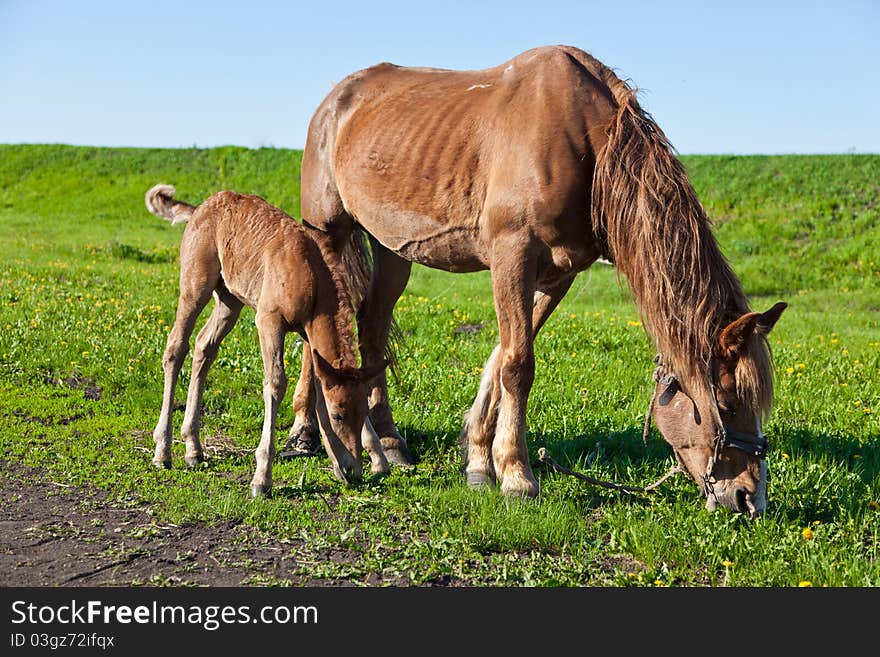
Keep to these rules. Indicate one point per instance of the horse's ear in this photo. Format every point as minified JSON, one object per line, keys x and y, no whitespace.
{"x":768,"y":320}
{"x":734,"y":336}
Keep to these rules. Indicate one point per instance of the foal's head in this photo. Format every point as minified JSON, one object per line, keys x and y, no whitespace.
{"x":716,"y":434}
{"x":342,"y":407}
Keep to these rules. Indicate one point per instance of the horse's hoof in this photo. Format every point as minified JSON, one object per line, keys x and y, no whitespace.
{"x":520,"y":487}
{"x":478,"y":480}
{"x":301,"y":442}
{"x":380,"y":469}
{"x":397,"y":452}
{"x":194,"y":461}
{"x":162,"y":465}
{"x":260,"y":490}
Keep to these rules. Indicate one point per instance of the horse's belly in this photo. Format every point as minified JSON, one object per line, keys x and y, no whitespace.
{"x":454,"y":248}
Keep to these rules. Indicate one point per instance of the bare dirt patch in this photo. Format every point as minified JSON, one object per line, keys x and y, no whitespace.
{"x":57,"y":535}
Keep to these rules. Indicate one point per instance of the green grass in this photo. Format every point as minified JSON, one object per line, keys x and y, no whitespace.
{"x":88,"y":290}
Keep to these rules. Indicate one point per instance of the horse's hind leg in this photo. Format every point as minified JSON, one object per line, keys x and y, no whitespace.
{"x":373,"y":446}
{"x":387,"y":282}
{"x":196,"y":284}
{"x":479,"y":425}
{"x":481,"y":420}
{"x":304,"y":437}
{"x":223,"y":318}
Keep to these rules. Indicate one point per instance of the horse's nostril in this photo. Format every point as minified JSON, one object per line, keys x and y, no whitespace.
{"x":745,"y":503}
{"x":741,"y":500}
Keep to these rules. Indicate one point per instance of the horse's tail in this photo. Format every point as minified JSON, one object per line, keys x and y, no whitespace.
{"x":161,"y":202}
{"x":651,"y":224}
{"x":358,"y":261}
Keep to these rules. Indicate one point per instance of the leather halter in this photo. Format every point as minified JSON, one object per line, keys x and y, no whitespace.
{"x":753,"y":444}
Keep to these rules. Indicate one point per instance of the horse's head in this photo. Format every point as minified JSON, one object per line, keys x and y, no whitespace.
{"x":342,"y":409}
{"x":716,"y":434}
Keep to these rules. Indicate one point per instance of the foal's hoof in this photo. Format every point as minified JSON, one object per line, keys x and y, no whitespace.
{"x":260,"y":490}
{"x":162,"y":465}
{"x":397,"y":452}
{"x":194,"y":461}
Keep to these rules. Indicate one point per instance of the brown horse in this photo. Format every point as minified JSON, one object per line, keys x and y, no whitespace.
{"x":242,"y":250}
{"x":535,"y":169}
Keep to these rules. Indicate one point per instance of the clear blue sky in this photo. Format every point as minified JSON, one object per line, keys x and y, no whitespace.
{"x":733,"y":77}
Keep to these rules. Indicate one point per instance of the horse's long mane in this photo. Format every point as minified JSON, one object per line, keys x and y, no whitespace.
{"x":646,"y":212}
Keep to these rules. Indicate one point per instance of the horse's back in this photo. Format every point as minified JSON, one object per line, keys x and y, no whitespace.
{"x":424,"y":157}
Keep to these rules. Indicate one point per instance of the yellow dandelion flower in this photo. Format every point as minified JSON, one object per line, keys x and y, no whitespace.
{"x":807,"y":534}
{"x":801,"y":366}
{"x":805,"y":583}
{"x":727,"y":563}
{"x":789,"y":370}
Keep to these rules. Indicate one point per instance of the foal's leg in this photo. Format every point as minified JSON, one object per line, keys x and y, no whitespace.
{"x":387,"y":282}
{"x":226,"y":311}
{"x":195,"y":290}
{"x":272,"y":332}
{"x":513,"y":285}
{"x":481,"y":420}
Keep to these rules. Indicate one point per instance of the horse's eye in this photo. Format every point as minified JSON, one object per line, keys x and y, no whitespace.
{"x":726,"y":407}
{"x":338,"y":417}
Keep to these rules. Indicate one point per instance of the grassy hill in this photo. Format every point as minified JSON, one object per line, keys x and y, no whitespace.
{"x":88,"y":285}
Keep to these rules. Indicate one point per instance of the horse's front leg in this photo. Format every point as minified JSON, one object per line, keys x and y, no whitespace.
{"x":514,"y":267}
{"x":481,"y":419}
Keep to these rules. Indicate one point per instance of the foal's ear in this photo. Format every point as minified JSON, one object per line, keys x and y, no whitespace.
{"x":323,"y":369}
{"x":335,"y":375}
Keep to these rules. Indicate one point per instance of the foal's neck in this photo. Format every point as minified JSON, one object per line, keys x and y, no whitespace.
{"x":331,"y":328}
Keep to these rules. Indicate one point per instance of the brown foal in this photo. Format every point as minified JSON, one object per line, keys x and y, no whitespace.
{"x":244,"y":251}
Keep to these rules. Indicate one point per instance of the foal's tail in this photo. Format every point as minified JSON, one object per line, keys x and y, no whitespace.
{"x":160,"y":201}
